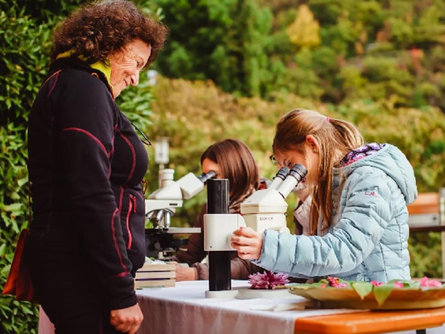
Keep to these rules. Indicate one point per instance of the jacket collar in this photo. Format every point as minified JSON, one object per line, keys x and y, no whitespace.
{"x":98,"y":69}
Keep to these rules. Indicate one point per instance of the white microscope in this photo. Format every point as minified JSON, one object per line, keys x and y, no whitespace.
{"x":264,"y":209}
{"x":162,"y":204}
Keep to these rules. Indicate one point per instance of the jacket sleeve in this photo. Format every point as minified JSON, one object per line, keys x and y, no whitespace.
{"x":195,"y":245}
{"x":366,"y":213}
{"x":86,"y":120}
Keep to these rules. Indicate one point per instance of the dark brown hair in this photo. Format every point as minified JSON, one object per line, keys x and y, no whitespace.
{"x":237,"y":164}
{"x":335,"y":139}
{"x":97,"y":30}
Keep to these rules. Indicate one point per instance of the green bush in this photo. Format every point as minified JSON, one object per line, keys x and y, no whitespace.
{"x":23,"y":63}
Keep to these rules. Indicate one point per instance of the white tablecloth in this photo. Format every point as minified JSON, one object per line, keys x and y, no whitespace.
{"x":185,"y":309}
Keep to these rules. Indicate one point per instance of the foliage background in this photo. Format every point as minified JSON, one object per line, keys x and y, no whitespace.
{"x":231,"y":68}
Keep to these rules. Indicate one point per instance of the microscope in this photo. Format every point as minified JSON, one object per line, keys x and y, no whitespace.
{"x":161,"y":206}
{"x":264,"y":209}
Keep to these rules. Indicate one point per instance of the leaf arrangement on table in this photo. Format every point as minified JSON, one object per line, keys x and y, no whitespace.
{"x":396,"y":294}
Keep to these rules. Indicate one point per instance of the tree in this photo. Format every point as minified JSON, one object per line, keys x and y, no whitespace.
{"x":221,"y":40}
{"x":304,"y":31}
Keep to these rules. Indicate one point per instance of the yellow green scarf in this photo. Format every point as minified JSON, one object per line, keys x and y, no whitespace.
{"x":104,"y":68}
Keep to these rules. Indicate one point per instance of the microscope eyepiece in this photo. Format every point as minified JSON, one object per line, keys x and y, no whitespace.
{"x":282,"y":173}
{"x":191,"y":184}
{"x":299,"y":172}
{"x":296,"y":174}
{"x":204,"y":177}
{"x":279,"y":177}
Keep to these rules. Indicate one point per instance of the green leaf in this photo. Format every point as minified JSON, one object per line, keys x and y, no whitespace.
{"x":381,"y":293}
{"x":14,"y":207}
{"x":301,"y":286}
{"x":362,"y":288}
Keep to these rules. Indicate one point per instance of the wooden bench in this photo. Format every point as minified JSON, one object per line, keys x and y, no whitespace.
{"x":427,"y":214}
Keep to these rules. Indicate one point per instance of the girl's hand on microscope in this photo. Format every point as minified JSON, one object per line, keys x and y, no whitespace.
{"x":248,"y":243}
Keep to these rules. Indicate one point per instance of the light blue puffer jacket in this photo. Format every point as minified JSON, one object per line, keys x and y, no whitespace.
{"x":368,"y":239}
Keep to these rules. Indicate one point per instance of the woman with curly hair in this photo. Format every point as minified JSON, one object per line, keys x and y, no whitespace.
{"x":86,"y":164}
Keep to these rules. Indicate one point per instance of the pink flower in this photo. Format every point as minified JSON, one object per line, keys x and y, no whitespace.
{"x":376,"y":283}
{"x":426,"y":282}
{"x":267,"y":280}
{"x":335,"y":282}
{"x":398,"y":284}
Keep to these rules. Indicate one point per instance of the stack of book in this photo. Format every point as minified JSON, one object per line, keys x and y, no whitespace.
{"x":155,"y":275}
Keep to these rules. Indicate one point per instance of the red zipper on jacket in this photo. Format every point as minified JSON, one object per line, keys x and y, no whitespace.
{"x":131,"y":207}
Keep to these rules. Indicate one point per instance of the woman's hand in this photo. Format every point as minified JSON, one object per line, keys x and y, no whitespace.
{"x":248,"y":243}
{"x":127,"y":320}
{"x":184,"y":273}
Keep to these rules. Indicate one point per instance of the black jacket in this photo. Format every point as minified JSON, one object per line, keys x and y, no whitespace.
{"x":86,"y":164}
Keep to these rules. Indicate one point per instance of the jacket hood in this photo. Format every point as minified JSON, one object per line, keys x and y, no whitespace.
{"x":395,"y":164}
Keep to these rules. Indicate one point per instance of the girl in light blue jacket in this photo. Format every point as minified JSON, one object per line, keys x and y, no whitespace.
{"x":357,"y":225}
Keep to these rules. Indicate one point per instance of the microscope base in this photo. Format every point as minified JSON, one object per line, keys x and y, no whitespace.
{"x":228,"y":294}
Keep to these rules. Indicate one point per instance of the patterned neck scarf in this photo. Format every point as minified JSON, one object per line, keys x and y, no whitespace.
{"x":360,"y":153}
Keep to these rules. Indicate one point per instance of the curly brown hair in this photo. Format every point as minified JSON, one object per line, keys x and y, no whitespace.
{"x":99,"y":29}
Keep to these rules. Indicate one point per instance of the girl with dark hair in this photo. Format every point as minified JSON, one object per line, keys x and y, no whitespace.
{"x":356,"y":226}
{"x":86,"y":164}
{"x":230,"y":159}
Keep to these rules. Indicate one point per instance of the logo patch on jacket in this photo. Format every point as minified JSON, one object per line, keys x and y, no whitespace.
{"x":371,"y":193}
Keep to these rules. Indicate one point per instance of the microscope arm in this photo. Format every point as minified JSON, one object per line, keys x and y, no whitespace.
{"x":218,"y":229}
{"x":264,"y":209}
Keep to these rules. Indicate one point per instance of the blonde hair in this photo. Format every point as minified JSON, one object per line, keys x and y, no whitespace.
{"x":335,"y":138}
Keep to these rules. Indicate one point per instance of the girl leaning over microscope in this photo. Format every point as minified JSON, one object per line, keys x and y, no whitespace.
{"x":230,"y":159}
{"x":356,"y":226}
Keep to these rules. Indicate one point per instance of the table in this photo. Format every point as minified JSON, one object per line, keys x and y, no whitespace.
{"x":184,"y":309}
{"x":373,"y":322}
